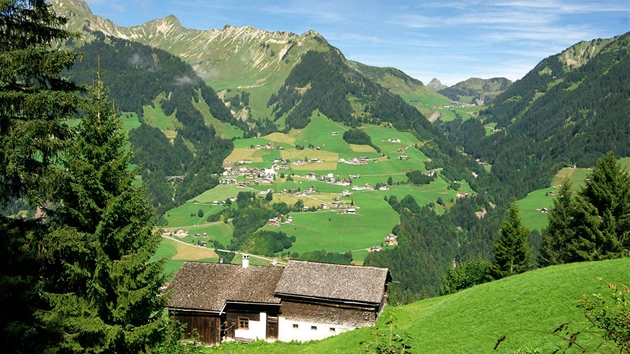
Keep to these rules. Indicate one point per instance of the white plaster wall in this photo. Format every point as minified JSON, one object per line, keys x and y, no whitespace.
{"x":257,"y":329}
{"x":303,"y":333}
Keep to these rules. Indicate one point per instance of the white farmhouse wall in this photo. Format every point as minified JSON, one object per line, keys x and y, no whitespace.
{"x":304,"y":331}
{"x":257,"y":329}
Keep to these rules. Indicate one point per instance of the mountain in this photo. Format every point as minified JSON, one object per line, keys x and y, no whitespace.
{"x":172,"y":111}
{"x":413,"y":91}
{"x":436,"y":85}
{"x":231,"y":59}
{"x":569,"y":110}
{"x":476,"y":90}
{"x":237,"y":60}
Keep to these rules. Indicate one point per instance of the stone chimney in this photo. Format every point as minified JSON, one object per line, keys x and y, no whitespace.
{"x":245,"y":260}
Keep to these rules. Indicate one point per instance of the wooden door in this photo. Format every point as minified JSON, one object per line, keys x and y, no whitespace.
{"x":272,"y":327}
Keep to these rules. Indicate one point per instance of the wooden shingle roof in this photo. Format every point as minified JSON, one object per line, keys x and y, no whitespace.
{"x":333,"y":282}
{"x":208,"y":286}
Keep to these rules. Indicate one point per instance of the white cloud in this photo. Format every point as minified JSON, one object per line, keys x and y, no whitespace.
{"x":183,"y":80}
{"x":118,"y":8}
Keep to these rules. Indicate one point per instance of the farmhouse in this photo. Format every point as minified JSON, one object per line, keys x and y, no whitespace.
{"x":304,"y":301}
{"x":391,"y":240}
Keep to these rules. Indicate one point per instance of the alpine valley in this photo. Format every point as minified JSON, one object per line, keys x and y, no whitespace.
{"x":276,"y":145}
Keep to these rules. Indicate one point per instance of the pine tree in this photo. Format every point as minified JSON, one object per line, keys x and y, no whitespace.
{"x":34,"y":99}
{"x":512,"y":254}
{"x":104,"y":291}
{"x":34,"y":103}
{"x":601,"y":217}
{"x":559,"y":233}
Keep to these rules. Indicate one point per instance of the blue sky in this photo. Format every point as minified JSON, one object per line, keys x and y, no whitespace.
{"x":450,"y":40}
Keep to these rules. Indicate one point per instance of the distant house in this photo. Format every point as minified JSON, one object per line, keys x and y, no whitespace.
{"x":304,"y":301}
{"x":351,"y":211}
{"x":384,"y":187}
{"x":404,"y":157}
{"x":391,"y":240}
{"x":273,"y":221}
{"x":335,"y":133}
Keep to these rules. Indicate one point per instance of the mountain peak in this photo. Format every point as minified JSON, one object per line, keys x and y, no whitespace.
{"x":72,"y":7}
{"x":436,"y":85}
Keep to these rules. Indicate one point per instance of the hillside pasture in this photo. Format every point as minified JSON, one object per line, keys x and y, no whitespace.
{"x":319,"y":134}
{"x":362,"y":148}
{"x":532,"y":205}
{"x":155,"y":117}
{"x":280,"y":138}
{"x":218,"y":193}
{"x":575,"y":175}
{"x":223,"y":129}
{"x":335,"y":232}
{"x":191,"y":253}
{"x":526,"y":308}
{"x":245,"y":155}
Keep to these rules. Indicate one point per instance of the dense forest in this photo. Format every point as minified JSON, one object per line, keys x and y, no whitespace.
{"x":554,"y":117}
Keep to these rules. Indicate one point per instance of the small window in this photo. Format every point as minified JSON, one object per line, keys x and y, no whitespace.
{"x":243,"y":323}
{"x":296,"y":326}
{"x":332,"y":330}
{"x":313,"y":328}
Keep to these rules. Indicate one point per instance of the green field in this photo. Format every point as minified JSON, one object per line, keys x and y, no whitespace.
{"x":325,"y":229}
{"x":526,"y":308}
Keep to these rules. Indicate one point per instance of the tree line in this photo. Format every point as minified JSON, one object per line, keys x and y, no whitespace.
{"x":589,"y":225}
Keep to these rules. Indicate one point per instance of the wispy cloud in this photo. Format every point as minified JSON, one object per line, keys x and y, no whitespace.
{"x":118,"y":8}
{"x":313,"y":12}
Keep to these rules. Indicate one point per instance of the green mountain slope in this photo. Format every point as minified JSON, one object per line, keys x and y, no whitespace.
{"x":476,"y":90}
{"x":175,"y":114}
{"x":411,"y":90}
{"x":235,"y":58}
{"x":526,"y":307}
{"x":570,"y":109}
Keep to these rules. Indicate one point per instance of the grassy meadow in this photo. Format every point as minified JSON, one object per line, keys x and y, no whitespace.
{"x":325,"y":228}
{"x":525,"y":308}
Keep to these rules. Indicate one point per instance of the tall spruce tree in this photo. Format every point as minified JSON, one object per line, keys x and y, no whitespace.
{"x":512,"y":254}
{"x":559,"y":233}
{"x":601,"y":217}
{"x":34,"y":103}
{"x":104,"y":291}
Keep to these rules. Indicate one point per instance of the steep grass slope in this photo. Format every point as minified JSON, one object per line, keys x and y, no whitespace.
{"x":527,"y":308}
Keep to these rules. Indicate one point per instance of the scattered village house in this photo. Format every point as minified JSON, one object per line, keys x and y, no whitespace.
{"x":391,"y":240}
{"x":303,"y":301}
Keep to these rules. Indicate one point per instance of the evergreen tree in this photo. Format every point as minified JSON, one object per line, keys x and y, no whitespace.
{"x":103,"y":290}
{"x":34,"y":99}
{"x":34,"y":103}
{"x":464,"y":275}
{"x":601,"y":217}
{"x":512,"y":254}
{"x":559,"y":233}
